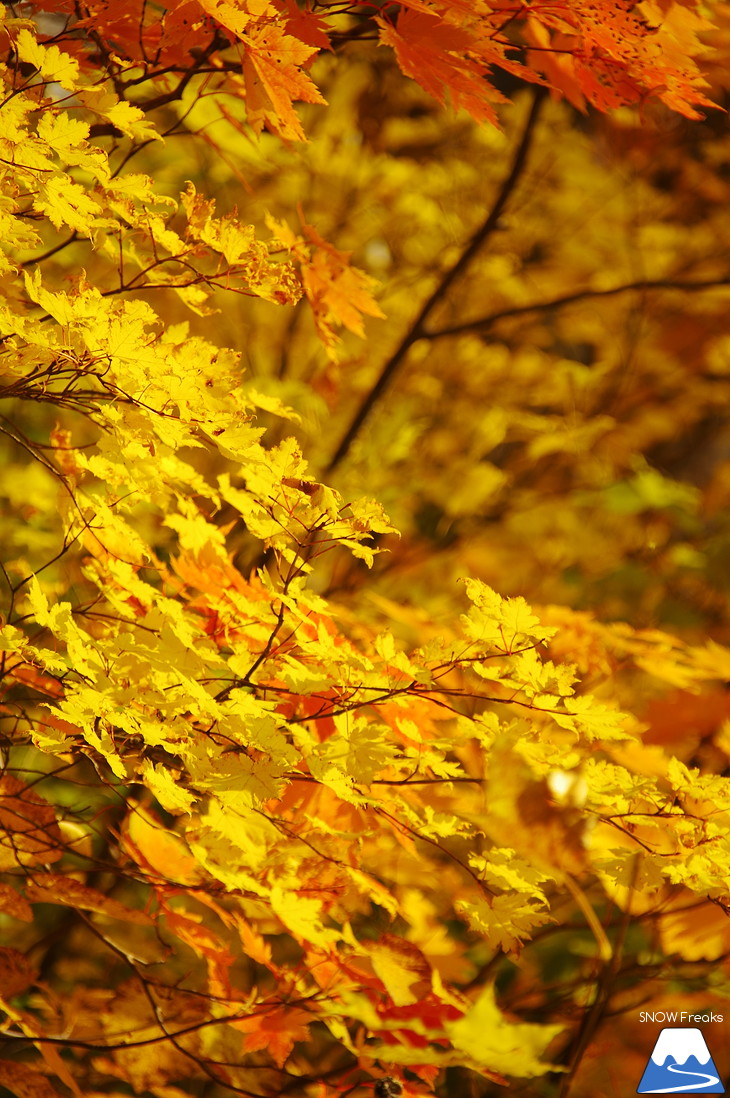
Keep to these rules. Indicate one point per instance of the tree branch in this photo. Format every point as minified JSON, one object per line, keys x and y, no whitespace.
{"x":417,"y":330}
{"x":480,"y":323}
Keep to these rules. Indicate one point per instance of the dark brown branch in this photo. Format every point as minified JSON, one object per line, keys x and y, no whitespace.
{"x":122,"y":1046}
{"x":483,"y":322}
{"x":604,"y":985}
{"x":52,"y":251}
{"x":417,"y":329}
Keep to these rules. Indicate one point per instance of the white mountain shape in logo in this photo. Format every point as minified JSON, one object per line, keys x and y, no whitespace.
{"x":680,"y":1063}
{"x":680,"y":1044}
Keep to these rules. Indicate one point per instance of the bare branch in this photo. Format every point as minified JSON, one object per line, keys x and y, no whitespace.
{"x":417,"y":329}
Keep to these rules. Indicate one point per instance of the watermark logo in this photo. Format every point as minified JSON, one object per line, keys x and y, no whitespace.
{"x":680,"y":1063}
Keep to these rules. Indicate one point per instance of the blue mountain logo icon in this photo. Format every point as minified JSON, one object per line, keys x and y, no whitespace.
{"x":680,"y":1063}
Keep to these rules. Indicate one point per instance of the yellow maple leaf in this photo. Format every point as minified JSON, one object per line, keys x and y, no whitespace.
{"x":402,"y":967}
{"x":505,"y":923}
{"x":67,"y":203}
{"x":50,"y":62}
{"x":124,"y":116}
{"x":488,"y":1038}
{"x":302,"y":916}
{"x":171,"y":794}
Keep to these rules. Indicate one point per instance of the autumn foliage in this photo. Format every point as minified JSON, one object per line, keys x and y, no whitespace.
{"x":364,"y":637}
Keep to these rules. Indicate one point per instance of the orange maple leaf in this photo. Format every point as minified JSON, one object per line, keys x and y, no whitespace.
{"x":610,"y":54}
{"x":449,"y":62}
{"x":306,"y":25}
{"x":272,"y":66}
{"x":337,"y":292}
{"x":276,"y":1030}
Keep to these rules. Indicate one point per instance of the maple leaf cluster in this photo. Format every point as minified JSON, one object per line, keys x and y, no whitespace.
{"x":266,"y":824}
